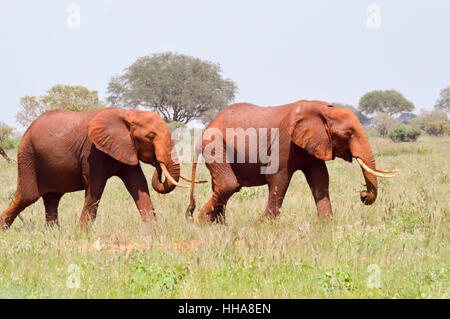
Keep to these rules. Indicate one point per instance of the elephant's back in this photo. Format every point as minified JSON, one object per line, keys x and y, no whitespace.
{"x":58,"y":122}
{"x":246,"y":115}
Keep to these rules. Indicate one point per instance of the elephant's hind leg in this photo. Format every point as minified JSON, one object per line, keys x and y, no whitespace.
{"x":17,"y":205}
{"x":51,"y":201}
{"x":27,"y":190}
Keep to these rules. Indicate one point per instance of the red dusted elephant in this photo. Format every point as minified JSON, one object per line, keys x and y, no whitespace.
{"x":65,"y":151}
{"x":309,"y":133}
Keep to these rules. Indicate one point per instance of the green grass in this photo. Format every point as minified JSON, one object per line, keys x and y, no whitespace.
{"x":404,"y":234}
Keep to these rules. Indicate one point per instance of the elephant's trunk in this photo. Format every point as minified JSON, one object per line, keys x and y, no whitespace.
{"x":360,"y":149}
{"x":173,"y":168}
{"x":368,"y":197}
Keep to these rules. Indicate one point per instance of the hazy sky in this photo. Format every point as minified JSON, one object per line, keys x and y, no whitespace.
{"x":276,"y":51}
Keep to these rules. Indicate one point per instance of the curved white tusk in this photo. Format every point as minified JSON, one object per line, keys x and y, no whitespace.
{"x":386,"y":171}
{"x":190,"y":181}
{"x":364,"y":166}
{"x":169,"y":177}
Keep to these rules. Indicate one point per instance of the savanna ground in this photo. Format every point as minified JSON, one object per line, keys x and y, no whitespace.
{"x":396,"y":248}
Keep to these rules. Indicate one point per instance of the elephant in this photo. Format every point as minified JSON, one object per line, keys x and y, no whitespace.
{"x":64,"y":151}
{"x":5,"y":156}
{"x":308,"y":132}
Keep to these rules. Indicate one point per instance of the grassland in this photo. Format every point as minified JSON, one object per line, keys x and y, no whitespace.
{"x":405,"y":235}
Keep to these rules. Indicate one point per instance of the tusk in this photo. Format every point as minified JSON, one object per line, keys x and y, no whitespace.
{"x":189,"y":180}
{"x":169,"y":177}
{"x":364,"y":166}
{"x":387,"y":171}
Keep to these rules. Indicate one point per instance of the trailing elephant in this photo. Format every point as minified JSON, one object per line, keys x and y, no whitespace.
{"x":308,"y":134}
{"x":5,"y":156}
{"x":65,"y":151}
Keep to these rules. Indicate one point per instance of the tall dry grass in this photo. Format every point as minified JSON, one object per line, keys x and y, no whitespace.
{"x":404,"y":235}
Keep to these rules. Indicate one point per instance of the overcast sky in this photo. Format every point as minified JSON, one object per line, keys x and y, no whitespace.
{"x":276,"y":51}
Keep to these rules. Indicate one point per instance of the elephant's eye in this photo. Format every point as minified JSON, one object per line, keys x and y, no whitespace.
{"x":350,"y":133}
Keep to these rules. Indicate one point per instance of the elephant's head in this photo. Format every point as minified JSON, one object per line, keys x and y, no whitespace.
{"x":326,"y":131}
{"x":132,"y":135}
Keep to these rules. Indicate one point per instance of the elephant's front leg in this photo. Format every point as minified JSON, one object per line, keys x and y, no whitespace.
{"x":225,"y":184}
{"x":136,"y":184}
{"x":318,"y":181}
{"x":91,"y":200}
{"x":278,"y":184}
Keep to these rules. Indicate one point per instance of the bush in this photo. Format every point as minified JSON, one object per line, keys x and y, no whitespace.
{"x":175,"y":125}
{"x":404,"y":133}
{"x":370,"y":132}
{"x":427,"y":117}
{"x":8,"y":144}
{"x":383,"y":123}
{"x":437,"y":128}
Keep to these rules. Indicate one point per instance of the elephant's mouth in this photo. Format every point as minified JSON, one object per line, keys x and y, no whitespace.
{"x":346,"y":155}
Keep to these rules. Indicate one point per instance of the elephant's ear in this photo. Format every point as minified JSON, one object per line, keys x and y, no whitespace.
{"x":110,"y":133}
{"x":309,"y":129}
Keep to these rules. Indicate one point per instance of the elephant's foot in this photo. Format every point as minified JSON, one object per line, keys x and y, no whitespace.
{"x":325,"y":215}
{"x":211,"y":218}
{"x":6,"y":221}
{"x":267,"y":216}
{"x":52,"y":223}
{"x":324,"y":210}
{"x":149,"y":217}
{"x":86,"y":222}
{"x":4,"y":225}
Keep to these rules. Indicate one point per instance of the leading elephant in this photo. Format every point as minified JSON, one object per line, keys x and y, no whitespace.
{"x":308,"y":133}
{"x":65,"y":151}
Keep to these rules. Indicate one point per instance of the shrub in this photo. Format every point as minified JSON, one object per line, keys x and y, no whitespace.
{"x":370,"y":132}
{"x":437,"y":128}
{"x":383,"y":123}
{"x":8,"y":144}
{"x":175,"y":125}
{"x":404,"y":133}
{"x":427,"y":117}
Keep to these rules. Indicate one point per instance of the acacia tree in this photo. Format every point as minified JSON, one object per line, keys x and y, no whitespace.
{"x":179,"y":87}
{"x":443,"y":102}
{"x":390,"y":102}
{"x":72,"y":98}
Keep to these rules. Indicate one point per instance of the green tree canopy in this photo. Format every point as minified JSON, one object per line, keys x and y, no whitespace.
{"x":179,"y":87}
{"x":72,"y":98}
{"x":363,"y":119}
{"x":389,"y":101}
{"x":443,"y":102}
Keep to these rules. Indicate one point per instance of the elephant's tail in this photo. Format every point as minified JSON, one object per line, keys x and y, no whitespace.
{"x":191,"y":207}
